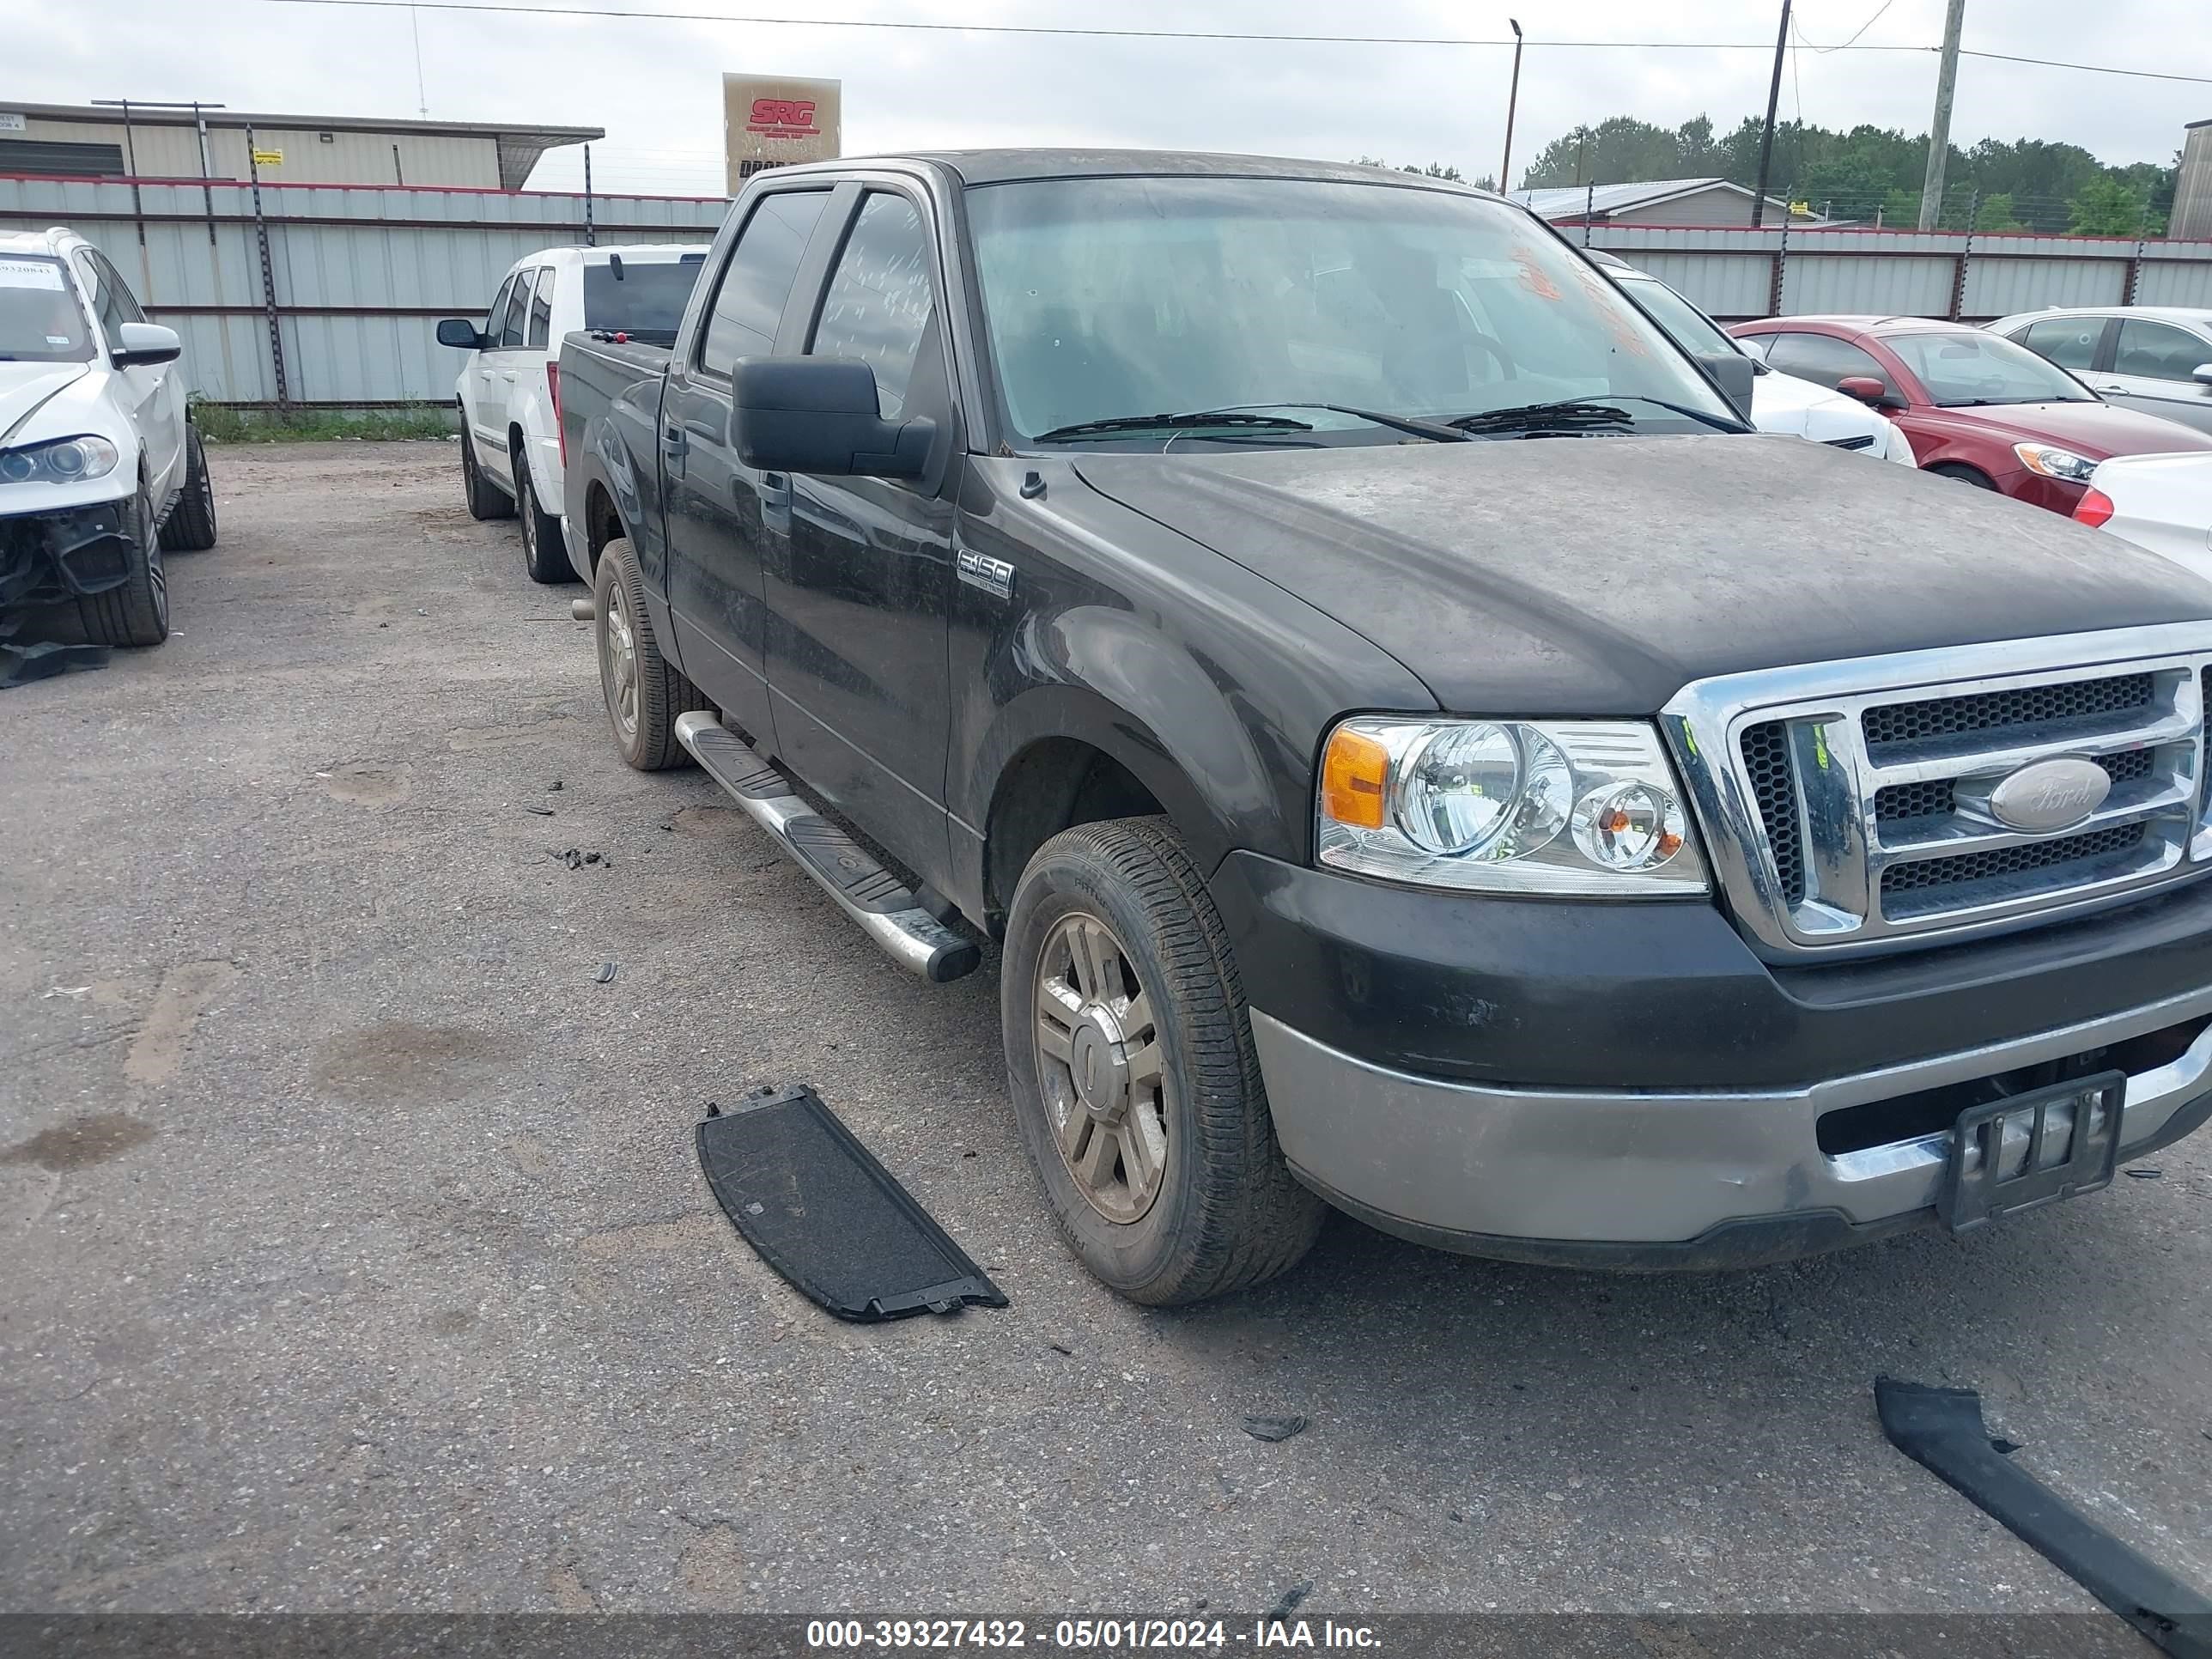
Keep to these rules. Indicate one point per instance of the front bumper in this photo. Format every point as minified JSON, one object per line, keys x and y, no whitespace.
{"x":67,"y":553}
{"x":1628,"y":1181}
{"x":1627,"y":1085}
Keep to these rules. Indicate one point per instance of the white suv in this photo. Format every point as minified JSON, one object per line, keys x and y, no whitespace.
{"x":510,"y":392}
{"x":100,"y":468}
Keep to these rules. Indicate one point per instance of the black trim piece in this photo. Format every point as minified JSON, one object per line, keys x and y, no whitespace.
{"x":1941,"y":1429}
{"x":820,"y":1210}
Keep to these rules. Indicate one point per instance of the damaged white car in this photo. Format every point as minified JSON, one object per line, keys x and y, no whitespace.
{"x":101,"y":468}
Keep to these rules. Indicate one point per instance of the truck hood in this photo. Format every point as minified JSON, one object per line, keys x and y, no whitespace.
{"x":1599,"y":576}
{"x":24,"y":387}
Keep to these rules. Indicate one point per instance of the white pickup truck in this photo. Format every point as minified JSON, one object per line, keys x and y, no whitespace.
{"x":510,"y":391}
{"x":100,"y":467}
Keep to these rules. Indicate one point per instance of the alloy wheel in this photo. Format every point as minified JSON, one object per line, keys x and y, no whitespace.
{"x":1099,"y":1065}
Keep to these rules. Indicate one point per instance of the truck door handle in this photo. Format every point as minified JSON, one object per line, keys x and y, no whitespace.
{"x":672,"y":440}
{"x":775,"y":502}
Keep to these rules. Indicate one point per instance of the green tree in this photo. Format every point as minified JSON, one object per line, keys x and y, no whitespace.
{"x":1995,"y":214}
{"x":2107,"y":206}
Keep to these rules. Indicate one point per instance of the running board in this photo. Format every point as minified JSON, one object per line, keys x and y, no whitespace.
{"x":881,"y":904}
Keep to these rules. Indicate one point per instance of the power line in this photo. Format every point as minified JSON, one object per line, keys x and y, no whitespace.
{"x":1847,"y":45}
{"x":496,"y":7}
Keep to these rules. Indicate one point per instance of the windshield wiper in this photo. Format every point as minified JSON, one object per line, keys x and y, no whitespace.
{"x":1576,"y":414}
{"x":1413,"y":424}
{"x":1568,"y":415}
{"x":1119,"y":423}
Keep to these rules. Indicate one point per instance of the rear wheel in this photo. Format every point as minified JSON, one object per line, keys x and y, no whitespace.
{"x":1129,"y":1057}
{"x":644,"y":692}
{"x":486,"y":499}
{"x":190,"y":525}
{"x":544,"y":555}
{"x":137,"y":612}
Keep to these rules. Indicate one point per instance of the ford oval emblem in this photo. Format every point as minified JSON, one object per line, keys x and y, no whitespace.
{"x":2047,"y":795}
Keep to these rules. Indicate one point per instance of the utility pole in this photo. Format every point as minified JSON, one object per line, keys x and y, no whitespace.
{"x":1767,"y":134}
{"x":1939,"y":130}
{"x":1512,"y":102}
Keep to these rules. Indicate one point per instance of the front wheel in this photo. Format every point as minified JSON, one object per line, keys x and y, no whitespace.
{"x":1129,"y":1057}
{"x":544,"y":554}
{"x":138,"y":611}
{"x":1964,"y":475}
{"x":486,"y":499}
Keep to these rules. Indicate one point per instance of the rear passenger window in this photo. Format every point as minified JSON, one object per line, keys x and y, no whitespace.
{"x":541,"y":312}
{"x":2069,"y":341}
{"x":757,"y":279}
{"x":511,"y":325}
{"x":879,"y":301}
{"x":1822,"y":359}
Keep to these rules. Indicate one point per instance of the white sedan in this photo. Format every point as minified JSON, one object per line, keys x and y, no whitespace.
{"x":1779,"y":402}
{"x":2163,"y":502}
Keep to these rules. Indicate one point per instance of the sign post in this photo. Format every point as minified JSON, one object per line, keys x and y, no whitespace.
{"x":772,"y":121}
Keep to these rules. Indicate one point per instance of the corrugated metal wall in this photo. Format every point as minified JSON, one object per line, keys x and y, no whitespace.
{"x":360,"y":275}
{"x":1736,"y":274}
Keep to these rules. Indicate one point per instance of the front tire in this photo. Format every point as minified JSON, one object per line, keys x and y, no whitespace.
{"x":643,"y":690}
{"x":544,"y":554}
{"x":137,"y":612}
{"x":1964,"y":475}
{"x":190,"y":527}
{"x":1129,"y":1057}
{"x":486,"y":499}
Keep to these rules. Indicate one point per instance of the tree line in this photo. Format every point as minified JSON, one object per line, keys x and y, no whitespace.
{"x":1870,"y":173}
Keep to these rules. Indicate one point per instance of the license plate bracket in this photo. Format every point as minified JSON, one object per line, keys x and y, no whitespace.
{"x":1980,"y":1184}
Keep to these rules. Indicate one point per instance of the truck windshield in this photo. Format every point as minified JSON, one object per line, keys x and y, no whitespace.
{"x":647,"y":299}
{"x":1111,"y":297}
{"x":40,"y":321}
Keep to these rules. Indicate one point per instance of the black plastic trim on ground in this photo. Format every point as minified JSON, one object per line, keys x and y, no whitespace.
{"x":820,"y":1210}
{"x":1941,"y":1429}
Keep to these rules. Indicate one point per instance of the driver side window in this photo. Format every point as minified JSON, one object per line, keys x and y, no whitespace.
{"x":1822,"y":359}
{"x":879,"y":306}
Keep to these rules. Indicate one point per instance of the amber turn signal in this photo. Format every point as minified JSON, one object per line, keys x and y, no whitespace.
{"x":1354,"y":769}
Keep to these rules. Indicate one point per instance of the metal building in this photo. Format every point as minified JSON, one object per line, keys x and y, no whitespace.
{"x":2192,"y":193}
{"x":86,"y":141}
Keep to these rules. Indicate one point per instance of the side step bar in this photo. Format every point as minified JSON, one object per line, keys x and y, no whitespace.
{"x":883,"y":906}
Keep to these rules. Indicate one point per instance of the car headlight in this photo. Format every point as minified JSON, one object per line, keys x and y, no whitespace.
{"x":1900,"y":447}
{"x":2053,"y":462}
{"x":1574,"y":807}
{"x":66,"y":460}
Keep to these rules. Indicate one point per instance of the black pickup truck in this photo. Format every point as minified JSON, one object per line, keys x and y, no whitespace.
{"x":1412,"y":746}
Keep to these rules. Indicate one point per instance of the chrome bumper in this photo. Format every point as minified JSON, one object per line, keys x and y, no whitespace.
{"x":1443,"y":1157}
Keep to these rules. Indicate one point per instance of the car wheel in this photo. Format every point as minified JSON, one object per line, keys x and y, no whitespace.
{"x":1130,"y":1060}
{"x":1964,"y":475}
{"x":486,"y":499}
{"x":644,"y":692}
{"x":138,"y":611}
{"x":544,"y":555}
{"x":190,"y":527}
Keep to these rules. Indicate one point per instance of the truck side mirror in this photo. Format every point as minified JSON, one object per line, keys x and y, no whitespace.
{"x":139,"y":345}
{"x":818,"y":414}
{"x":461,"y":334}
{"x":1734,"y":373}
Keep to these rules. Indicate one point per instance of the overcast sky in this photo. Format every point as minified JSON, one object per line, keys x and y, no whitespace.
{"x":655,"y":86}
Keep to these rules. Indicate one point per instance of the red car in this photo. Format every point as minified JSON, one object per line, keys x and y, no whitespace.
{"x":1977,"y":407}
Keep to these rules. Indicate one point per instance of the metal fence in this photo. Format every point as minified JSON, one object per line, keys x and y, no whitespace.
{"x":1973,"y":277}
{"x":326,"y":295}
{"x":311,"y":295}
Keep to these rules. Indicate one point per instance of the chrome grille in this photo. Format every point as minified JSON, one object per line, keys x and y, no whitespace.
{"x":1851,"y":810}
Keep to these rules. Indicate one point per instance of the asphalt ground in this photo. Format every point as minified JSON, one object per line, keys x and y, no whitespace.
{"x":356,"y":1255}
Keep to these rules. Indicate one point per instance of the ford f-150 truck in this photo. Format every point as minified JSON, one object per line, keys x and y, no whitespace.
{"x":1353,"y":665}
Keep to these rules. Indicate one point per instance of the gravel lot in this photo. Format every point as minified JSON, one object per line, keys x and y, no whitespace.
{"x":357,"y":1257}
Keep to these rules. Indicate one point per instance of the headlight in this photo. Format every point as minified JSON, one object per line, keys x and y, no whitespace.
{"x":1900,"y":447}
{"x":67,"y":461}
{"x":2053,"y":462}
{"x":1587,"y":807}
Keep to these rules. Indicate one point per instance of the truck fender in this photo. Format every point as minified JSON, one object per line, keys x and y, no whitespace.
{"x":1102,"y":677}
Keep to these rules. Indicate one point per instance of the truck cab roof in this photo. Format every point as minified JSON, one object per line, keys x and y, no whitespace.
{"x":1000,"y":166}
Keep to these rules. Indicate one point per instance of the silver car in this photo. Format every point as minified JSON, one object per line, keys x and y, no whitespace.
{"x":2157,"y":359}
